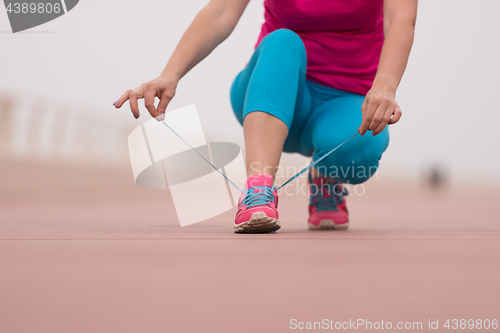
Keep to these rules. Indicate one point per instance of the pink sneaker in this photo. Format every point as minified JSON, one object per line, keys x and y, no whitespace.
{"x":257,"y":207}
{"x":327,"y":207}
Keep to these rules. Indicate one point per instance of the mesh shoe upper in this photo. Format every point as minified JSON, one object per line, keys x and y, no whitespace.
{"x":327,"y":201}
{"x":259,"y":195}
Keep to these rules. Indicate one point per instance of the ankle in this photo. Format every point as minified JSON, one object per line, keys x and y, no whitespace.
{"x":258,"y":173}
{"x":259,"y":180}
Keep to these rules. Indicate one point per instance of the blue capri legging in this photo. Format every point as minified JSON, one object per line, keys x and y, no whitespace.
{"x":318,"y":118}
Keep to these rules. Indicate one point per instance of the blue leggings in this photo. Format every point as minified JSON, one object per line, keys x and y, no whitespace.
{"x":318,"y":118}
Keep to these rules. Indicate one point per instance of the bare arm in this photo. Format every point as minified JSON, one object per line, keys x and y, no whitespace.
{"x":380,"y":104}
{"x":213,"y":24}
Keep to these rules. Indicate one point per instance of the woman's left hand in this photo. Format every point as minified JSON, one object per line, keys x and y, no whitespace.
{"x":379,"y":109}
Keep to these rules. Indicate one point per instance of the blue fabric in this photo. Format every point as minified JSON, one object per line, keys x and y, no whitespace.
{"x":318,"y":118}
{"x":258,"y":196}
{"x":327,"y":196}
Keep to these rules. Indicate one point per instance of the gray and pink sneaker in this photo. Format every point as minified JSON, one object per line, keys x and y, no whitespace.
{"x":327,"y":207}
{"x":257,"y":207}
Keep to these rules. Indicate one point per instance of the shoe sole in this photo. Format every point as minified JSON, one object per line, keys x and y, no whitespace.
{"x":259,"y":223}
{"x":328,"y":225}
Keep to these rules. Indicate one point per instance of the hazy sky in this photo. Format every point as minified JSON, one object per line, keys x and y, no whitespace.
{"x":448,"y":94}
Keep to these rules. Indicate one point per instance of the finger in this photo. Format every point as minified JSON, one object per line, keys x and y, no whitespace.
{"x":149,"y":101}
{"x":368,"y":109}
{"x":133,"y":100}
{"x":396,"y":116}
{"x":362,"y":128}
{"x":164,"y":101}
{"x":378,"y":116}
{"x":385,"y":120}
{"x":118,"y":104}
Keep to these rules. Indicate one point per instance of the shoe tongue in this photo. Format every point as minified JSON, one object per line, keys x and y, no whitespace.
{"x":259,"y":180}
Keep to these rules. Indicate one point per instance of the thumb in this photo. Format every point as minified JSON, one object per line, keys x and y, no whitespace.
{"x":164,"y":101}
{"x":396,"y":116}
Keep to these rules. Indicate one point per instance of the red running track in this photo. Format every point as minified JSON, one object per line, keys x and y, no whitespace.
{"x":77,"y":257}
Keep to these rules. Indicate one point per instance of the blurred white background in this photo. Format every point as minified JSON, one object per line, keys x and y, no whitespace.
{"x":79,"y":64}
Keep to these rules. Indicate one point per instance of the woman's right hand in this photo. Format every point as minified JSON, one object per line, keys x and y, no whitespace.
{"x":161,"y":87}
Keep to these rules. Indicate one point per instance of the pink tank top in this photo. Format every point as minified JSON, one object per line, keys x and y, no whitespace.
{"x":343,"y":38}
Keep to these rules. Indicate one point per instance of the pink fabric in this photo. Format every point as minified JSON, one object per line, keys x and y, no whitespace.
{"x":259,"y":180}
{"x":339,"y":216}
{"x":343,"y":38}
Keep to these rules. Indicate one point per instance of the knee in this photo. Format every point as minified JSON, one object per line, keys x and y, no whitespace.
{"x":360,"y":171}
{"x":237,"y":98}
{"x":284,"y":35}
{"x":352,"y":166}
{"x":285,"y":41}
